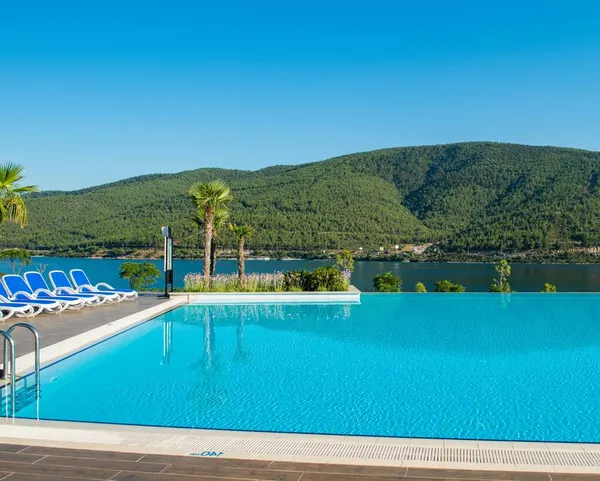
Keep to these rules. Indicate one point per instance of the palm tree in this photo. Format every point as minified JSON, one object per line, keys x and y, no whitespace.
{"x":208,"y":197}
{"x":12,"y":207}
{"x":219,"y":221}
{"x":241,"y":232}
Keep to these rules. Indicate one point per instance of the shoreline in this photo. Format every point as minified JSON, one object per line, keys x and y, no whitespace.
{"x":520,"y":260}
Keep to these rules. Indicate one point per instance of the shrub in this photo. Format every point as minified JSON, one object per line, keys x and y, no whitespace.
{"x":345,"y":262}
{"x":548,"y":288}
{"x":322,"y":279}
{"x":16,"y":259}
{"x":501,"y":284}
{"x":296,"y":280}
{"x":327,"y":279}
{"x":387,"y":282}
{"x":447,"y":286}
{"x":141,"y":275}
{"x":420,"y":287}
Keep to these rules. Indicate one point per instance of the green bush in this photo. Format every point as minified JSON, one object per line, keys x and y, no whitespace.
{"x":345,"y":262}
{"x":296,"y":280}
{"x":387,"y":282}
{"x":501,"y":284}
{"x":321,"y":279}
{"x":420,"y":287}
{"x":16,"y":259}
{"x":327,"y":279}
{"x":141,"y":275}
{"x":548,"y":288}
{"x":447,"y":286}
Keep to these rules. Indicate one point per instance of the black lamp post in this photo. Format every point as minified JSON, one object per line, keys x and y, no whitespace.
{"x":168,"y":261}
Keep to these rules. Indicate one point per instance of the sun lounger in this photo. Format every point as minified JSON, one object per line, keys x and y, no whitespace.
{"x":80,"y":279}
{"x":62,"y":285}
{"x":19,"y":309}
{"x":16,"y":289}
{"x":40,"y":289}
{"x":51,"y":307}
{"x":5,"y":313}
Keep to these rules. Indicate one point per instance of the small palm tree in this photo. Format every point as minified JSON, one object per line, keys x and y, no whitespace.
{"x":220,"y":221}
{"x":208,"y":197}
{"x":12,"y":206}
{"x":241,"y":232}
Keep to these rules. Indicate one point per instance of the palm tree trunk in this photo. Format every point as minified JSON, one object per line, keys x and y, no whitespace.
{"x":213,"y":254}
{"x":208,"y":229}
{"x":241,"y":272}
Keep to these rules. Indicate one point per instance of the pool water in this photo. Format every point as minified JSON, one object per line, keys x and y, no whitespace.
{"x":469,"y":366}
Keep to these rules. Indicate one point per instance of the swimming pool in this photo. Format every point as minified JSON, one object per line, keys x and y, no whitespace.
{"x":468,"y":366}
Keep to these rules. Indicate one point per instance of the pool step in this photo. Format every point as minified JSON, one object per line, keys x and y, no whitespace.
{"x":24,"y":396}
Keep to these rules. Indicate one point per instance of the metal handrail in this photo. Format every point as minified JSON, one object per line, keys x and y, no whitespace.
{"x":36,"y":343}
{"x":9,"y":365}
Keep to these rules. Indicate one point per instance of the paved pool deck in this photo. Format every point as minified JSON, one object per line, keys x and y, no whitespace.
{"x":39,"y":463}
{"x":55,"y":328}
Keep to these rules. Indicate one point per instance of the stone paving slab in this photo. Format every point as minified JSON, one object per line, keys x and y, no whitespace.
{"x":22,"y":462}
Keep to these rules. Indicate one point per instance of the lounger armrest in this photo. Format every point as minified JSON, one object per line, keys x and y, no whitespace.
{"x":105,"y":285}
{"x":26,"y":295}
{"x":42,"y":291}
{"x":65,"y":291}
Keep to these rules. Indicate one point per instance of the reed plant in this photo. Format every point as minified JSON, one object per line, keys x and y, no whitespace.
{"x":269,"y":282}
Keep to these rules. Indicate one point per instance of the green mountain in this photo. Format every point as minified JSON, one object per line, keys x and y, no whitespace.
{"x":476,"y":195}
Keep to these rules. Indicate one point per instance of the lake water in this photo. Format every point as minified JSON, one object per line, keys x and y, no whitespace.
{"x":475,"y":277}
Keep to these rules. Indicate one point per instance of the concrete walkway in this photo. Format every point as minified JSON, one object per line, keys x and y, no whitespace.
{"x":55,"y":328}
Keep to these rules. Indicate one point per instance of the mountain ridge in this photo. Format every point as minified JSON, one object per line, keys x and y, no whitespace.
{"x":485,"y":195}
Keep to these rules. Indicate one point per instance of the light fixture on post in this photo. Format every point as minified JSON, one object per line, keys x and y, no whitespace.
{"x":168,"y":260}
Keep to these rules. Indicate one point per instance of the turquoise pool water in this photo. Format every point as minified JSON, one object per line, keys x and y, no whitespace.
{"x":470,"y":366}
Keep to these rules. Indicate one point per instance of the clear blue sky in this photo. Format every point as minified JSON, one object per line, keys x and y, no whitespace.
{"x":94,"y":91}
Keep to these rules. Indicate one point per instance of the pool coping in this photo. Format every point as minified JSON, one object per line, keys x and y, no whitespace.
{"x":352,"y":295}
{"x":25,"y":364}
{"x":310,"y":448}
{"x":306,"y":448}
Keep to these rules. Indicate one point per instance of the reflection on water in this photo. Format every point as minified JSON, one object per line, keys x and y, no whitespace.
{"x":167,"y":342}
{"x":487,"y":323}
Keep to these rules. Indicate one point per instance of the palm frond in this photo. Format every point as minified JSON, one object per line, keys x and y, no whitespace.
{"x":214,"y":194}
{"x":243,"y":231}
{"x":25,"y":189}
{"x":15,"y":210}
{"x":10,"y":173}
{"x":221,"y":216}
{"x":12,"y":206}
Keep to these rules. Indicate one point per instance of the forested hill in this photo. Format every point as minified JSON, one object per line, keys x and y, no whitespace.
{"x":477,"y":195}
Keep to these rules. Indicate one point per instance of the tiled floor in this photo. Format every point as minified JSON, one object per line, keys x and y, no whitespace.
{"x":55,"y":328}
{"x":32,"y":463}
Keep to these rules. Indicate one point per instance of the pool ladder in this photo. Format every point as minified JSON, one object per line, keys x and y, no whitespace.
{"x":9,"y":374}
